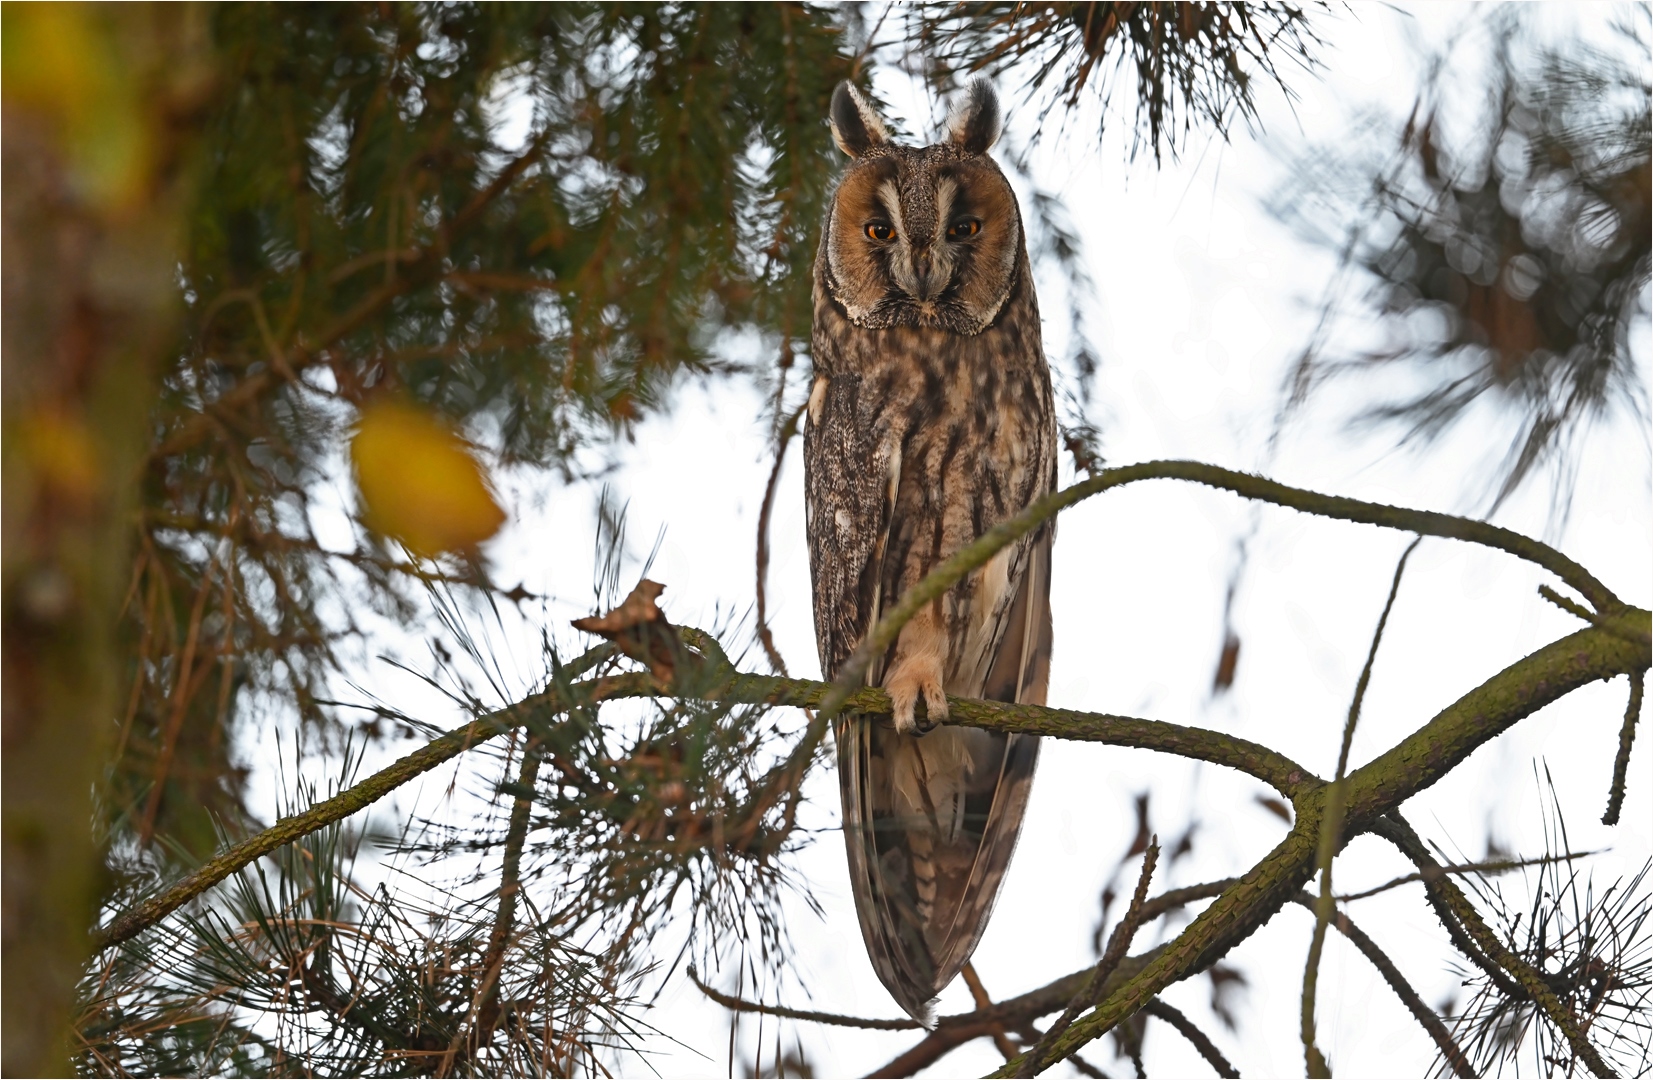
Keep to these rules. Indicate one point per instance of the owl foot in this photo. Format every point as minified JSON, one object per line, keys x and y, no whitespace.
{"x":909,"y":680}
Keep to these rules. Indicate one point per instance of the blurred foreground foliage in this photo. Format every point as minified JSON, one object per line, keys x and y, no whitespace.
{"x":1501,"y":235}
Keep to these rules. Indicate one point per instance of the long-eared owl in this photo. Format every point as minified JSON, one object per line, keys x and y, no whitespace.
{"x":930,"y":420}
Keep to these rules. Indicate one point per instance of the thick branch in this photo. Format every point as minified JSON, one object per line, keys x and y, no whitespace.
{"x":1416,"y":763}
{"x":1420,"y":760}
{"x":1268,"y":766}
{"x":1486,"y":712}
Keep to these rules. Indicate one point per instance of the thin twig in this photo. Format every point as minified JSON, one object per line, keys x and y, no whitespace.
{"x":1422,"y":1013}
{"x":955,"y":1031}
{"x":1190,"y":1031}
{"x":1331,"y":829}
{"x":1491,"y":866}
{"x":1627,"y":735}
{"x":783,"y":439}
{"x":1577,"y":610}
{"x":978,"y":994}
{"x":739,"y":1004}
{"x":1431,"y":873}
{"x":1036,"y":1060}
{"x":181,"y":697}
{"x":485,"y":1011}
{"x":1571,"y":607}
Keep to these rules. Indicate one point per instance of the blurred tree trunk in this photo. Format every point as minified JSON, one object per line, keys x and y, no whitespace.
{"x":97,"y":104}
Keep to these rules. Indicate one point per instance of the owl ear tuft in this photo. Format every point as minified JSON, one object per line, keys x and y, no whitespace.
{"x":975,"y":122}
{"x":856,"y":128}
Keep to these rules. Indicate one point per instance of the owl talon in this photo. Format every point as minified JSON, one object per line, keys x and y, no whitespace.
{"x":905,"y":686}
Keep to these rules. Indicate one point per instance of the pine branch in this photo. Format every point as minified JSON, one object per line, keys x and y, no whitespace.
{"x":1531,"y":982}
{"x":1374,"y":790}
{"x":1266,"y":765}
{"x":1425,"y":522}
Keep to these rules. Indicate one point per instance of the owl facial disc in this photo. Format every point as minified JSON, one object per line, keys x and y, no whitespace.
{"x":925,"y":236}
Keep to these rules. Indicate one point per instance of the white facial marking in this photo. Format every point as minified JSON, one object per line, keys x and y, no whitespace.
{"x":890,"y":196}
{"x":817,"y":398}
{"x":946,"y":192}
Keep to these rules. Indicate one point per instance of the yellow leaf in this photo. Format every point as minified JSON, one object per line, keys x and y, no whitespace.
{"x":419,"y":483}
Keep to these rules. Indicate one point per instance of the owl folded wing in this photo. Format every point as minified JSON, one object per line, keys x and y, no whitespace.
{"x":931,"y":822}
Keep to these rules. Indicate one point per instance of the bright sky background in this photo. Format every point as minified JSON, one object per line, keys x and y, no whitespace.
{"x":1202,"y":302}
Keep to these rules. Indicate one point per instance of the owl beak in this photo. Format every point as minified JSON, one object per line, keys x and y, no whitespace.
{"x":924,"y":267}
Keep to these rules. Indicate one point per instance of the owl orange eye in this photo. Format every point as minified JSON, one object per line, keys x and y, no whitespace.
{"x":881,"y":230}
{"x":958,"y":230}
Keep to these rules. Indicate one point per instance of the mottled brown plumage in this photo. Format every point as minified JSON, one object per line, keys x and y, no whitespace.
{"x":930,"y":420}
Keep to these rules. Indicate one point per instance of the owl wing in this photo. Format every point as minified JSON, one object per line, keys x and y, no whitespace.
{"x":931,"y":822}
{"x":848,"y":503}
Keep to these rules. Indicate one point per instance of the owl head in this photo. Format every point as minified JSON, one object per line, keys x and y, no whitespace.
{"x":921,"y":235}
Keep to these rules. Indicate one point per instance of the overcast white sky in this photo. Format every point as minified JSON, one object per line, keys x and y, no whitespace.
{"x":1202,"y":301}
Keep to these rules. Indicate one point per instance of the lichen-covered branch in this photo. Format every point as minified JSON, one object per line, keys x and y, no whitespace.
{"x":1375,"y":789}
{"x":1259,"y":761}
{"x":1425,"y":756}
{"x":975,"y":555}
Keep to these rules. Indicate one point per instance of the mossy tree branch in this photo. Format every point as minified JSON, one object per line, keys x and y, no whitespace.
{"x":975,"y":555}
{"x":1373,"y":790}
{"x":1274,"y":769}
